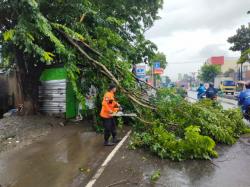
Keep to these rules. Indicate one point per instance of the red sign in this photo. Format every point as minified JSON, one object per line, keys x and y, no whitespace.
{"x":217,"y":60}
{"x":158,"y":71}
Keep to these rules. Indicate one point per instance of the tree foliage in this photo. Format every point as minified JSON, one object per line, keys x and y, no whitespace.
{"x":40,"y":33}
{"x":241,"y":42}
{"x":160,"y":57}
{"x":209,"y":72}
{"x":229,"y":72}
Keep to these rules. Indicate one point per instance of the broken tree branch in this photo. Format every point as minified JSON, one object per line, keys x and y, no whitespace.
{"x":107,"y":72}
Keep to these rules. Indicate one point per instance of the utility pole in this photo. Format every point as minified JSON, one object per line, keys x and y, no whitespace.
{"x":153,"y":75}
{"x":241,"y":71}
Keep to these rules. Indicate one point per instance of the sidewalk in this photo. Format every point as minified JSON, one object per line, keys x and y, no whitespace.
{"x":67,"y":157}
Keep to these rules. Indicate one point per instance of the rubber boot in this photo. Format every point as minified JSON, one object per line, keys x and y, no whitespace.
{"x":116,"y":140}
{"x":108,"y":143}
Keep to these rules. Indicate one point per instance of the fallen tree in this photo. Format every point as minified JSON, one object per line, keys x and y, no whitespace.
{"x":183,"y":130}
{"x":102,"y":68}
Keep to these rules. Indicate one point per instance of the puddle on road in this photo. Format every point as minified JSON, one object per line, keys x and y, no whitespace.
{"x":53,"y":161}
{"x":231,"y":169}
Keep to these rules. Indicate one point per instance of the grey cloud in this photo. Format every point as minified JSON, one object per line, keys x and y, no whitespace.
{"x":215,"y":15}
{"x":179,"y":51}
{"x":213,"y":50}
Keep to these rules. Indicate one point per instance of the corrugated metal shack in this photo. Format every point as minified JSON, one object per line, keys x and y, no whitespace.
{"x":56,"y":95}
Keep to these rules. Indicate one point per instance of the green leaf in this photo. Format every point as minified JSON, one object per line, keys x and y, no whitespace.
{"x":8,"y":35}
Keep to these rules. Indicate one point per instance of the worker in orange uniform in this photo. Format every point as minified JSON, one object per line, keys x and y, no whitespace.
{"x":109,"y":107}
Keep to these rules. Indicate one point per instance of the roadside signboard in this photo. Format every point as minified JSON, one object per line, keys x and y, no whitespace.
{"x":157,"y":68}
{"x":141,"y":72}
{"x":157,"y":65}
{"x":158,"y":71}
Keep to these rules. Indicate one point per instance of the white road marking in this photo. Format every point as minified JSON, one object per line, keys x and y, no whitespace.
{"x":106,"y":161}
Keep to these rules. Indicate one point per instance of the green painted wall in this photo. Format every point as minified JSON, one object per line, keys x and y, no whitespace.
{"x":71,"y":101}
{"x":53,"y":74}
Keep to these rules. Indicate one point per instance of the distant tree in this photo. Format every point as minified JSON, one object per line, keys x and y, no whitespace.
{"x":241,"y":42}
{"x":160,"y":57}
{"x":209,"y":72}
{"x":229,"y":72}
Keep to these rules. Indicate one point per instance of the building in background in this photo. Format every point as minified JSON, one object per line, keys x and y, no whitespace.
{"x":245,"y":71}
{"x":226,"y":63}
{"x":179,"y":76}
{"x":215,"y":60}
{"x":230,"y":68}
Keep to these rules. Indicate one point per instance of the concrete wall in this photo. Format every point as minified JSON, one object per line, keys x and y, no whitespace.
{"x":245,"y":71}
{"x":229,"y":63}
{"x":10,"y":92}
{"x":225,"y":63}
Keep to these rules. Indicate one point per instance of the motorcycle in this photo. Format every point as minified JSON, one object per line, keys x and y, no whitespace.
{"x":201,"y":96}
{"x":246,"y":114}
{"x":214,"y":98}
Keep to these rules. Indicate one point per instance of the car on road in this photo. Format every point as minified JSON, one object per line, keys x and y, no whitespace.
{"x":228,"y":86}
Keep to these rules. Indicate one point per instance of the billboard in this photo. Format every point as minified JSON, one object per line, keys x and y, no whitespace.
{"x":217,"y":60}
{"x":157,"y":65}
{"x":157,"y":68}
{"x":159,"y":71}
{"x":141,"y":72}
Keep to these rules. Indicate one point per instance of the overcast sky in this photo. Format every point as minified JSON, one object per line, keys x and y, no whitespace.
{"x":190,"y":31}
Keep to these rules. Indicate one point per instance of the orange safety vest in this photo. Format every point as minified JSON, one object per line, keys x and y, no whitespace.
{"x":109,"y":105}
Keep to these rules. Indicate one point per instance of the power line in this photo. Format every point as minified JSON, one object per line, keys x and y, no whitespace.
{"x":189,"y":61}
{"x":186,"y":63}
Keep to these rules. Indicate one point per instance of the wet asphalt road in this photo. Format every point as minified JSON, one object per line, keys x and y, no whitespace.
{"x":134,"y":168}
{"x":227,"y":103}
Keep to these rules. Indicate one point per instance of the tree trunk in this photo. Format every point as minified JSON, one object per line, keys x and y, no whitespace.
{"x":28,"y":81}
